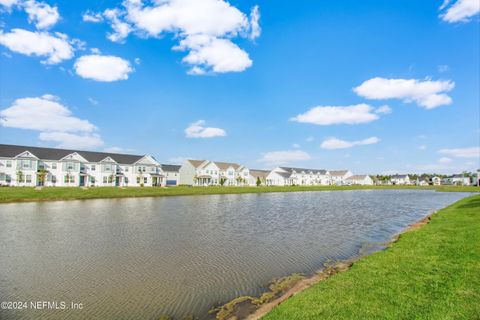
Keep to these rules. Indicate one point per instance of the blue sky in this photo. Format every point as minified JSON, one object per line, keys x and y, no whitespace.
{"x":373,"y":86}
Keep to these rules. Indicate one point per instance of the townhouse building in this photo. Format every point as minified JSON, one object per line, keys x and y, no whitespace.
{"x":288,"y":176}
{"x":400,"y":179}
{"x":213,"y":173}
{"x":171,"y":173}
{"x":339,"y":177}
{"x":35,"y":166}
{"x":362,"y":179}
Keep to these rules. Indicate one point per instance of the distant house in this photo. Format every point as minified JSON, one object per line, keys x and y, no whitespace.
{"x":297,"y":177}
{"x":436,"y":181}
{"x":363,"y":180}
{"x":400,"y":179}
{"x":213,"y":173}
{"x":172,"y":174}
{"x":424,"y":181}
{"x":457,"y":180}
{"x":339,"y":177}
{"x":255,"y":175}
{"x":477,"y":178}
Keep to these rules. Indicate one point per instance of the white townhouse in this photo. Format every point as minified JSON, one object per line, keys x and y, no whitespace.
{"x":457,"y":180}
{"x":171,"y":173}
{"x":257,"y":175}
{"x":35,"y":166}
{"x":213,"y":173}
{"x":424,"y":181}
{"x":287,"y":176}
{"x":436,"y":181}
{"x":400,"y":179}
{"x":339,"y":177}
{"x":362,"y":179}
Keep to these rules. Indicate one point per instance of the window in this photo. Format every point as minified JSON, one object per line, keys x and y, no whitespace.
{"x":92,"y":179}
{"x":126,"y":169}
{"x":138,"y":180}
{"x":93,"y":167}
{"x":110,"y":179}
{"x":8,"y":178}
{"x":126,"y":179}
{"x":68,"y":179}
{"x":145,"y":179}
{"x":9,"y":163}
{"x":54,"y":165}
{"x":105,"y":179}
{"x":54,"y":179}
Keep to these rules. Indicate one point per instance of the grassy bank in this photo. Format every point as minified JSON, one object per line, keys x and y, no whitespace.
{"x":18,"y":194}
{"x":430,"y":273}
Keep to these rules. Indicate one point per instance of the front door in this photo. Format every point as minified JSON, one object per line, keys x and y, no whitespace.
{"x":82,"y":181}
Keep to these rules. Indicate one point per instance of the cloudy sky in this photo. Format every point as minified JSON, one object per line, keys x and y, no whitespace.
{"x":373,"y":86}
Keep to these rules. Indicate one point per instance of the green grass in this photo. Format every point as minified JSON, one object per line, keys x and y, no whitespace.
{"x":18,"y":194}
{"x":430,"y":273}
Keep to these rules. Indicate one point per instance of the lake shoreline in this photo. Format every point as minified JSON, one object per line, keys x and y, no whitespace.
{"x":319,"y":275}
{"x":30,"y":194}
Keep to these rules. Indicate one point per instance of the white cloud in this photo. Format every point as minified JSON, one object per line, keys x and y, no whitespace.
{"x":426,"y":93}
{"x":310,"y":139}
{"x":219,"y":55}
{"x":384,"y":110}
{"x":460,"y":11}
{"x":137,"y":61}
{"x":328,"y":115}
{"x":198,"y":130}
{"x":284,"y":157}
{"x":204,"y":28}
{"x":444,"y":160}
{"x":422,"y":147}
{"x":53,"y":120}
{"x":92,"y":17}
{"x":44,"y":113}
{"x":296,"y":146}
{"x":41,"y":14}
{"x":334,"y":143}
{"x":72,"y":141}
{"x":102,"y":68}
{"x":55,"y":48}
{"x":121,"y":29}
{"x":473,"y":152}
{"x":255,"y":29}
{"x":8,"y":3}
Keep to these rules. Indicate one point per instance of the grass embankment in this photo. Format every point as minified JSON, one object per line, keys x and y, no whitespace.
{"x":18,"y":194}
{"x":430,"y":273}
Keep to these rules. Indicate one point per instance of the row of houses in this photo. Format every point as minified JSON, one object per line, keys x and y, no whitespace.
{"x":35,"y":166}
{"x":456,"y":179}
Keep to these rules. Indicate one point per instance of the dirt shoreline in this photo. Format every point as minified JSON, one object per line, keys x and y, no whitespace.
{"x":329,"y":271}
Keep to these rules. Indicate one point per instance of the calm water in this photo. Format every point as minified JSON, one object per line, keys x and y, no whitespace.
{"x":139,"y":258}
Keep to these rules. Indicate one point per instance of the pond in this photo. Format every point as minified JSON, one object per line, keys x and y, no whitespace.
{"x":144,"y":257}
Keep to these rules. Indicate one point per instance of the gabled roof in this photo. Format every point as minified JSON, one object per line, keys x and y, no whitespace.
{"x":226,"y":165}
{"x":259,"y":173}
{"x":357,"y":177}
{"x":314,"y":171}
{"x":338,"y":173}
{"x":10,"y":151}
{"x":400,"y":176}
{"x":170,"y":167}
{"x":196,"y":163}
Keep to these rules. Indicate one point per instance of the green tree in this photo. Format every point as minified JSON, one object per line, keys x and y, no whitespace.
{"x":259,"y":182}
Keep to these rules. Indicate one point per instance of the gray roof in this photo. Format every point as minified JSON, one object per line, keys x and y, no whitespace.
{"x":171,"y":167}
{"x":338,"y":172}
{"x":357,"y":177}
{"x":400,"y":176}
{"x":315,"y":171}
{"x":10,"y":151}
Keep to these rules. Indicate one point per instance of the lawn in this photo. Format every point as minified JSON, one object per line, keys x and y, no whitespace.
{"x":17,"y":194}
{"x":430,"y":273}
